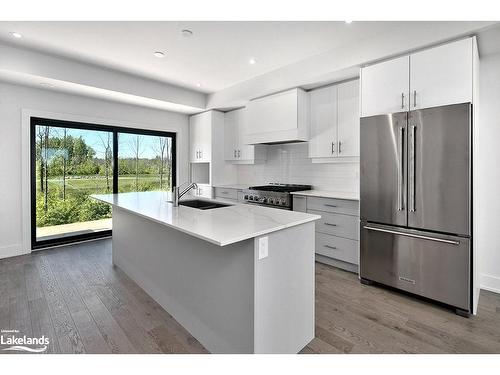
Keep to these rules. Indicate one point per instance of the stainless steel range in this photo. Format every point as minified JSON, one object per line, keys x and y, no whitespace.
{"x":273,"y":195}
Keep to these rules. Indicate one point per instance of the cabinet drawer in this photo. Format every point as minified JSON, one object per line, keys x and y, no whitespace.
{"x":226,"y":193}
{"x":337,"y":248}
{"x":346,"y":226}
{"x":340,"y":206}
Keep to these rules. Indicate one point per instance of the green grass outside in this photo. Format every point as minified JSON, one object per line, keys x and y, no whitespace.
{"x":77,"y":206}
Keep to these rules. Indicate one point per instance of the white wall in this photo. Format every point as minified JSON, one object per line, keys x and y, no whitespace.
{"x":290,"y":164}
{"x":488,"y":158}
{"x":13,"y":99}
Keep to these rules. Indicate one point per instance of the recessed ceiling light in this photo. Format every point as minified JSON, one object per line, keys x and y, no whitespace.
{"x":348,"y":21}
{"x":159,"y":54}
{"x":16,"y":35}
{"x":186,"y":33}
{"x":198,"y":84}
{"x":252,"y":61}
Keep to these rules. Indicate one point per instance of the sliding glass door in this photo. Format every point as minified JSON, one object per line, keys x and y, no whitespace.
{"x":144,"y":162}
{"x":70,"y":161}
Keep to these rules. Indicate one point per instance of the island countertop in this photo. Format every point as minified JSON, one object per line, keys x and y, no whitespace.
{"x":220,"y":226}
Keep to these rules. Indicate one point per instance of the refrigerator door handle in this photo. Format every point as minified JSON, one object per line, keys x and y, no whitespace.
{"x":400,"y":169}
{"x":411,"y":182}
{"x":451,"y":242}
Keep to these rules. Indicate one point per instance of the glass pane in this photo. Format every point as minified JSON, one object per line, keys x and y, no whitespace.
{"x":71,"y":164}
{"x":144,"y":162}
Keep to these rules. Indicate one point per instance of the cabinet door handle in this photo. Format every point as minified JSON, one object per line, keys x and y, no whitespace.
{"x":330,"y":224}
{"x":402,"y":100}
{"x":414,"y":98}
{"x":330,"y":205}
{"x":340,"y":147}
{"x":333,"y":148}
{"x":331,"y":247}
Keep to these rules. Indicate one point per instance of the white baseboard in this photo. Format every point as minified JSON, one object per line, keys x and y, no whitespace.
{"x":11,"y":251}
{"x":490,"y":283}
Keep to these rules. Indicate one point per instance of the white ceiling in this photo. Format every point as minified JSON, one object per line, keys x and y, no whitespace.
{"x":216,"y":56}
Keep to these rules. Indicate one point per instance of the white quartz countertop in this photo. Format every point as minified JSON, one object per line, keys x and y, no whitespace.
{"x":221,"y":226}
{"x":329,"y":194}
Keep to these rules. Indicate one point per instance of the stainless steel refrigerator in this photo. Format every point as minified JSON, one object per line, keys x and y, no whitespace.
{"x":416,"y":203}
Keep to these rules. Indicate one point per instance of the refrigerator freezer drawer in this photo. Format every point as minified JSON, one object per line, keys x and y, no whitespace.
{"x":429,"y":265}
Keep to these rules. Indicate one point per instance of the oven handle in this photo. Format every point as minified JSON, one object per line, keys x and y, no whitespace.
{"x":451,"y":242}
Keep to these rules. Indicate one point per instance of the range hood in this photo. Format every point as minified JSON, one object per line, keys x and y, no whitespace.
{"x":278,"y":118}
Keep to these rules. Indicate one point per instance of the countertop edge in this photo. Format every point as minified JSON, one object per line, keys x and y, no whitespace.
{"x":313,"y":217}
{"x":326,"y":194}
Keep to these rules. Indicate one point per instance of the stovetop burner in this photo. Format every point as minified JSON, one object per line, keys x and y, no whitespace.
{"x":273,"y":195}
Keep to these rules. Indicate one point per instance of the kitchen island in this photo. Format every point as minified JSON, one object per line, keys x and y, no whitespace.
{"x":239,"y":278}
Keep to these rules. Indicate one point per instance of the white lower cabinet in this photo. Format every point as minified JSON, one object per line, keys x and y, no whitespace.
{"x":226,"y":193}
{"x":337,"y":232}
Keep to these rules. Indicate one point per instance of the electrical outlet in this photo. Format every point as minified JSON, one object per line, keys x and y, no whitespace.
{"x":263,"y":247}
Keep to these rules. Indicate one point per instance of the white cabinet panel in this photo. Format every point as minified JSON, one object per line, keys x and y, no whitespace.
{"x":348,"y":119}
{"x":385,"y":87}
{"x":231,"y":134}
{"x":200,"y":130}
{"x":273,"y":113}
{"x":281,"y":117}
{"x":244,"y":151}
{"x":323,"y":134}
{"x":235,"y":149}
{"x":441,"y":75}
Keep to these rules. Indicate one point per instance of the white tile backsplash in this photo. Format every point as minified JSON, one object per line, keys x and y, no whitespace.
{"x":290,"y":164}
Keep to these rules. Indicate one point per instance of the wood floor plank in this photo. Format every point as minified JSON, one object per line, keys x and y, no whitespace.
{"x":41,"y":320}
{"x":67,"y":334}
{"x":19,"y":315}
{"x":109,"y":329}
{"x":93,"y":341}
{"x":139,"y":337}
{"x":75,"y":294}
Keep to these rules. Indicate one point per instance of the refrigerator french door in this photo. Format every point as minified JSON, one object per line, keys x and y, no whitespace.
{"x":415,"y":202}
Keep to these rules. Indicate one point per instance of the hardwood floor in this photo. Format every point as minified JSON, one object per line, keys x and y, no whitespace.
{"x":74,"y":296}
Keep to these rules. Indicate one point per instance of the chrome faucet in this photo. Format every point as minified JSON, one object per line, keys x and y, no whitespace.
{"x":177,"y":194}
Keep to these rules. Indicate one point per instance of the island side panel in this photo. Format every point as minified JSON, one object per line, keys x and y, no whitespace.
{"x":284,"y":291}
{"x":207,"y":288}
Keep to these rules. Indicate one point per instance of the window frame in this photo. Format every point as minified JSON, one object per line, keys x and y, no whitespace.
{"x":34,"y":121}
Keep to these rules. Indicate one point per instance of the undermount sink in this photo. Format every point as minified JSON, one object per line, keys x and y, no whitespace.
{"x":202,"y":205}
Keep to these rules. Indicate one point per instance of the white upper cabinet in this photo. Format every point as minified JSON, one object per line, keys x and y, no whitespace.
{"x":334,"y":115}
{"x":348,"y":119}
{"x":200,"y":134}
{"x":441,"y":75}
{"x":281,"y":117}
{"x":231,"y":125}
{"x":323,"y":135}
{"x":235,"y":149}
{"x":430,"y":78}
{"x":384,"y":87}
